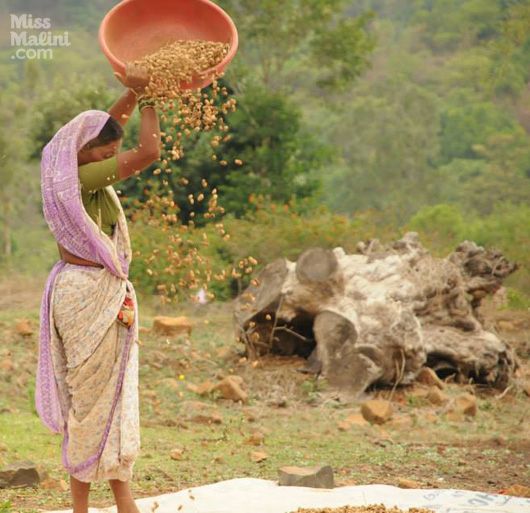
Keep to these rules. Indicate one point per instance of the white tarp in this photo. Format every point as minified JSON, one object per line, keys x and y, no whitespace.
{"x":248,"y":495}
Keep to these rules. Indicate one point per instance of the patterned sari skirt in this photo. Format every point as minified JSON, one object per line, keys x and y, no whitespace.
{"x":96,"y":369}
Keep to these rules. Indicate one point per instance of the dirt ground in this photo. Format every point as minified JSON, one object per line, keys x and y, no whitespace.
{"x":290,"y":418}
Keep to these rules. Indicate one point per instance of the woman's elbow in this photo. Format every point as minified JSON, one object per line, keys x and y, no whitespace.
{"x":152,"y":154}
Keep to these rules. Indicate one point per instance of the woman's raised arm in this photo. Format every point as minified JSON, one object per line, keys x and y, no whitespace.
{"x":136,"y":80}
{"x":148,"y":149}
{"x":124,"y":106}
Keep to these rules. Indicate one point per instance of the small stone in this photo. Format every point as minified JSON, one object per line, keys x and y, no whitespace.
{"x":18,"y":475}
{"x":23,"y":327}
{"x":313,"y":477}
{"x":402,"y":421}
{"x":208,"y":418}
{"x":355,"y":419}
{"x":465,"y":404}
{"x":376,"y":411}
{"x":202,"y":413}
{"x":517,"y":491}
{"x":230,"y":388}
{"x":256,"y":438}
{"x":436,"y":396}
{"x":427,"y":376}
{"x":258,"y":456}
{"x":7,"y":365}
{"x":172,"y":326}
{"x":176,"y":454}
{"x":503,"y":325}
{"x":224,"y":353}
{"x":54,"y":484}
{"x":407,"y":483}
{"x":429,"y":417}
{"x":455,"y":416}
{"x":205,"y":388}
{"x":250,"y":414}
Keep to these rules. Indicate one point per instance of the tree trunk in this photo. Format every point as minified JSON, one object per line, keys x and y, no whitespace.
{"x":381,"y":315}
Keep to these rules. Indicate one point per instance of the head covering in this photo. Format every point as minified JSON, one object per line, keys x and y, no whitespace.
{"x":61,"y":194}
{"x":73,"y":229}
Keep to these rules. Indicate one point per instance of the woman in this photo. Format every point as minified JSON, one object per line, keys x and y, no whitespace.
{"x":87,"y":376}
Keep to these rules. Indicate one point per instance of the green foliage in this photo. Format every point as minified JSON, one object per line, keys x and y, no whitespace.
{"x":427,"y":129}
{"x":450,"y":24}
{"x":64,"y":102}
{"x":441,"y":227}
{"x":6,"y":507}
{"x":280,"y":159}
{"x":389,"y":136}
{"x":518,"y":300}
{"x":465,"y":126}
{"x":270,"y":231}
{"x":275,"y":33}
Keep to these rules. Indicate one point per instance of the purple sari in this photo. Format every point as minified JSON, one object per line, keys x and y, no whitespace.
{"x":78,"y":234}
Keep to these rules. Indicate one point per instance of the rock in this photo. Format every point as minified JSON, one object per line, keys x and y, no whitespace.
{"x":172,"y":326}
{"x":429,"y":417}
{"x":250,"y":414}
{"x":230,"y":388}
{"x":23,"y":327}
{"x":205,"y":388}
{"x":517,"y":491}
{"x":436,"y":396}
{"x":225,"y":353}
{"x":427,"y":376}
{"x":506,"y":325}
{"x":202,"y":413}
{"x":355,"y":419}
{"x":455,"y":416}
{"x":192,"y":387}
{"x":143,"y":330}
{"x":209,"y":418}
{"x":407,"y":483}
{"x":256,"y":438}
{"x":257,"y":456}
{"x":313,"y":477}
{"x":401,"y":422}
{"x":376,"y":411}
{"x":465,"y":404}
{"x":176,"y":454}
{"x":7,"y":365}
{"x":19,"y":475}
{"x":55,"y":484}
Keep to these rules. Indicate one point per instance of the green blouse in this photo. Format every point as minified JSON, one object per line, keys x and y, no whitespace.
{"x":94,"y":177}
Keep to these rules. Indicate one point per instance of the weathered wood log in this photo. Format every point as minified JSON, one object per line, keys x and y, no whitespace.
{"x":379,"y":316}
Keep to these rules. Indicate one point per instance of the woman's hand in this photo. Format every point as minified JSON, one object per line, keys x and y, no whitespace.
{"x":136,"y":77}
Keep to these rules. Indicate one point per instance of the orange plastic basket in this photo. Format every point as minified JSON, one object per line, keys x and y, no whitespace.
{"x":135,"y":28}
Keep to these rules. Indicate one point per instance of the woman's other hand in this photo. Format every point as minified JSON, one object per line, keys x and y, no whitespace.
{"x":136,"y":77}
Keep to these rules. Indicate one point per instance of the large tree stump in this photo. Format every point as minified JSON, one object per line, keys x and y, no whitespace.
{"x":380,"y":315}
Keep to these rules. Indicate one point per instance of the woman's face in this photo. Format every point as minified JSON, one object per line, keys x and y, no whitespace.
{"x":99,"y":152}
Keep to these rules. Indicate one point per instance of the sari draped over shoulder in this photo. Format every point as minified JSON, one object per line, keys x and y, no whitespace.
{"x":87,"y":374}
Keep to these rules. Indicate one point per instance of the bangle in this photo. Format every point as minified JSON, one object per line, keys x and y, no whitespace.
{"x":144,"y":101}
